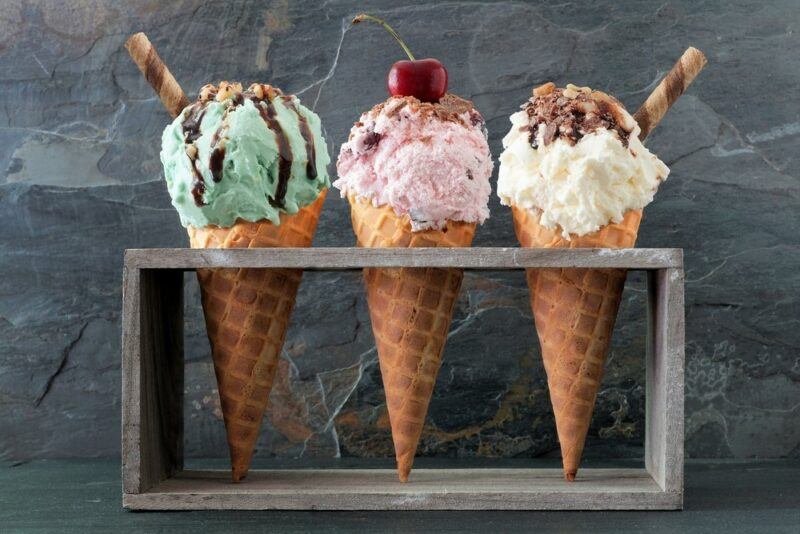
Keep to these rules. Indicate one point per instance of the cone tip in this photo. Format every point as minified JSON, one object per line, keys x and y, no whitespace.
{"x":238,"y":475}
{"x":570,"y":475}
{"x":404,"y":467}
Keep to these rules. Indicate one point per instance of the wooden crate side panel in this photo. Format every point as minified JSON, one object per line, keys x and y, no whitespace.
{"x":131,"y":381}
{"x":674,"y":329}
{"x":664,"y":379}
{"x":160,"y":401}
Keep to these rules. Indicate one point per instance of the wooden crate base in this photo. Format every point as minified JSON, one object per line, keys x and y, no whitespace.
{"x":429,"y":489}
{"x":153,"y":472}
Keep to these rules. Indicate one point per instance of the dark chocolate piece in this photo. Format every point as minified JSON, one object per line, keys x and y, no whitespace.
{"x":371,"y":139}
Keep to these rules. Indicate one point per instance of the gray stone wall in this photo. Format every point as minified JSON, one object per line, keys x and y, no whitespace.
{"x":80,"y":181}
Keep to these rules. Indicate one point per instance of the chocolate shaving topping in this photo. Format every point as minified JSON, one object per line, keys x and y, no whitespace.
{"x":550,"y":131}
{"x":449,"y":108}
{"x":570,"y":118}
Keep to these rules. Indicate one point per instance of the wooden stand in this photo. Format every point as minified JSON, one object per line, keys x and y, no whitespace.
{"x":152,"y":397}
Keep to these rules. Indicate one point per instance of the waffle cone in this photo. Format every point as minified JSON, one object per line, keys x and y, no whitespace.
{"x":575,"y":311}
{"x":247,"y":313}
{"x":410,"y":310}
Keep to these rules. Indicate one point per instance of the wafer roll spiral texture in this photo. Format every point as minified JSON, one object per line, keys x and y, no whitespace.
{"x":156,"y":73}
{"x":669,"y":90}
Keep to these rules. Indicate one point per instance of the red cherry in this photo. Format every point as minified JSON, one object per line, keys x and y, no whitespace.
{"x":425,"y":79}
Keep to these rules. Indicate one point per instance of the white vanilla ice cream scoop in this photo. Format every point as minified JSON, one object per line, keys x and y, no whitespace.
{"x":574,"y":156}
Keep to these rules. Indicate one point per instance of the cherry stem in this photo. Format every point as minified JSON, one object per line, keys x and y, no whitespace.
{"x":364,"y":16}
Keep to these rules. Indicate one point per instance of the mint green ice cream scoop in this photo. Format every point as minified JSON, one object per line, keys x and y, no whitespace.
{"x":247,"y":155}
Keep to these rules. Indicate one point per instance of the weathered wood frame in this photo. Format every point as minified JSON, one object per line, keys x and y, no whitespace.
{"x":152,"y":397}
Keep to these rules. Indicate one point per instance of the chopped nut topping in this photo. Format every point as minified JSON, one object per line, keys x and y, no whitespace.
{"x":191,"y":151}
{"x":264,"y":91}
{"x":227,"y":90}
{"x":208,"y":92}
{"x":573,"y":90}
{"x":587,"y":107}
{"x":544,"y":89}
{"x":232,"y":92}
{"x":257,"y":90}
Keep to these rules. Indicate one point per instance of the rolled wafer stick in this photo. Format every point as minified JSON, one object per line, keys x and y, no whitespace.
{"x":156,"y":73}
{"x":669,"y":90}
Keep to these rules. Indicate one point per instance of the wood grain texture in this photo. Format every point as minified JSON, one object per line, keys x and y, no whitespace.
{"x":131,"y":381}
{"x":345,"y":258}
{"x":152,"y":377}
{"x":671,"y":283}
{"x":429,"y":489}
{"x":664,"y":378}
{"x":655,"y":439}
{"x":156,"y":73}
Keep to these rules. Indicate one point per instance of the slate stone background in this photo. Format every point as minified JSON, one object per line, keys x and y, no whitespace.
{"x":81,"y":182}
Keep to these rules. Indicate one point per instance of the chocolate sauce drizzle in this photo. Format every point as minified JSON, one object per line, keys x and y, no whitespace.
{"x":217,"y":157}
{"x":308,"y":137}
{"x":265,"y":107}
{"x":198,"y":185}
{"x":215,"y":162}
{"x":268,"y":113}
{"x":191,"y":132}
{"x":191,"y":124}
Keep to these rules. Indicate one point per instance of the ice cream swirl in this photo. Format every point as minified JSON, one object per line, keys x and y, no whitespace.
{"x":574,"y":156}
{"x":429,"y":161}
{"x":246,"y":154}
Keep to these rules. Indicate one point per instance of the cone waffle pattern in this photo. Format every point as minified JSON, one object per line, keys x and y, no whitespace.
{"x":410,"y":310}
{"x":575,"y":311}
{"x":247,"y":313}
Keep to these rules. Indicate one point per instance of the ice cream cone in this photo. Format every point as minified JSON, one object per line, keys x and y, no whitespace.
{"x":247,"y":313}
{"x":574,"y":310}
{"x":410,"y":310}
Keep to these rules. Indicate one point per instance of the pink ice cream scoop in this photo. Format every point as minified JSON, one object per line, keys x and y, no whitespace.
{"x":428,"y":160}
